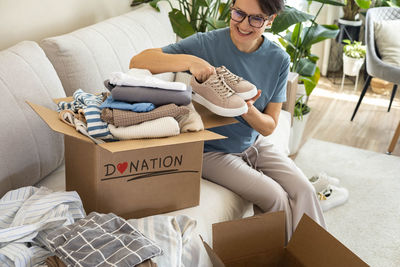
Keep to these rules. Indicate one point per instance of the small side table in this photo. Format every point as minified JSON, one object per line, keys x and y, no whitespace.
{"x":351,"y":67}
{"x":355,"y":84}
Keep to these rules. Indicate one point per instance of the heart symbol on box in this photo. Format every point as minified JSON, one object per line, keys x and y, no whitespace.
{"x":122,"y":167}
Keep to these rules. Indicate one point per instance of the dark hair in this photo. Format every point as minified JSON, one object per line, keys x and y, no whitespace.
{"x":269,"y":7}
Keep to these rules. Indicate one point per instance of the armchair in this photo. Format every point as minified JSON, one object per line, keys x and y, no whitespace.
{"x":375,"y":66}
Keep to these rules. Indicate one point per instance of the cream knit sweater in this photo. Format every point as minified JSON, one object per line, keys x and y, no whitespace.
{"x":162,"y":127}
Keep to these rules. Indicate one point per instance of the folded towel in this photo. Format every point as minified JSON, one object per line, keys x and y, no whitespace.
{"x":138,"y":79}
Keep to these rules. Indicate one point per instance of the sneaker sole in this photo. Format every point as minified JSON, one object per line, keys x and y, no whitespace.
{"x":225,"y":112}
{"x":339,"y":196}
{"x":249,"y":94}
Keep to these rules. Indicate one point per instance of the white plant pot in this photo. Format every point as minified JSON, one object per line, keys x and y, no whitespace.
{"x":296,"y":133}
{"x":354,"y":23}
{"x":352,"y":66}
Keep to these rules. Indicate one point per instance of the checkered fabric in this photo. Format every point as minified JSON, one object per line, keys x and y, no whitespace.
{"x":101,"y":240}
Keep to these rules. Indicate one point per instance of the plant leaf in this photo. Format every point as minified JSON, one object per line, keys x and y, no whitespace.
{"x":319,"y":33}
{"x":295,"y":34}
{"x":180,"y":24}
{"x":288,"y":17}
{"x":154,"y":4}
{"x":310,"y":82}
{"x":330,"y":2}
{"x":223,"y":10}
{"x":364,"y":4}
{"x":215,"y":23}
{"x":306,"y":67}
{"x":200,"y":3}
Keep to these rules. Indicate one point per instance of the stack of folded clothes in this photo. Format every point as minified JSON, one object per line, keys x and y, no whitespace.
{"x":139,"y":106}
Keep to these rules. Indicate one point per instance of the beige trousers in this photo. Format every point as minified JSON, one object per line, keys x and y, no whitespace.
{"x":268,"y":179}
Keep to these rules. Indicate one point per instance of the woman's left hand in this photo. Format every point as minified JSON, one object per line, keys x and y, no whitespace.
{"x":251,"y":101}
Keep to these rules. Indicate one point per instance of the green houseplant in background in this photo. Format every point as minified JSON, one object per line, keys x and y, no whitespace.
{"x":354,"y":49}
{"x":195,"y":15}
{"x":349,"y":24}
{"x":298,"y":32}
{"x":353,"y":59}
{"x":353,"y":7}
{"x":391,"y":3}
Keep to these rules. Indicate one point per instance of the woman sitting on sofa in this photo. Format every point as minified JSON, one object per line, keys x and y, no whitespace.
{"x":244,"y":162}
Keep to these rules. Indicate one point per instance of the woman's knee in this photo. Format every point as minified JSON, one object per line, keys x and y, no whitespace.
{"x":304,"y":189}
{"x":274,"y":200}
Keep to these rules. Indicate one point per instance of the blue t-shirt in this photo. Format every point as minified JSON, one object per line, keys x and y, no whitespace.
{"x":267,"y":68}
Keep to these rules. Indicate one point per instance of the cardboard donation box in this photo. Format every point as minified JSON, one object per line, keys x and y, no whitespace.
{"x":260,"y":241}
{"x":133,"y":178}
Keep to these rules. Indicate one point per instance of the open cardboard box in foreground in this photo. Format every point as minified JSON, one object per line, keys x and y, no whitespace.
{"x":260,"y":241}
{"x":134,"y":178}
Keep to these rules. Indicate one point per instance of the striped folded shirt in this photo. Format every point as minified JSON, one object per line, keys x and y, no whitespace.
{"x":95,"y":126}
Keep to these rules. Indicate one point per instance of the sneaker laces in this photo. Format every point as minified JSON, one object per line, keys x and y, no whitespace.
{"x":228,"y":75}
{"x":220,"y":87}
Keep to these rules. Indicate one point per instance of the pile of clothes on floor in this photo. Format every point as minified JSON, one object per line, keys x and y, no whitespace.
{"x":138,"y":105}
{"x":39,"y":227}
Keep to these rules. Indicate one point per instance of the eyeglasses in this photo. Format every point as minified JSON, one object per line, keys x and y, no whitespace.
{"x":254,"y":20}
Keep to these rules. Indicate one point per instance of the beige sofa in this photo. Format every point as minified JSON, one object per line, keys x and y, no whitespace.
{"x":32,"y":154}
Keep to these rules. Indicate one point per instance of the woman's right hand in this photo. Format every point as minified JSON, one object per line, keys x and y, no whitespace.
{"x":201,"y":69}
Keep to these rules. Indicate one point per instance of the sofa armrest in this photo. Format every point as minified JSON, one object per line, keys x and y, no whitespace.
{"x":291,"y":93}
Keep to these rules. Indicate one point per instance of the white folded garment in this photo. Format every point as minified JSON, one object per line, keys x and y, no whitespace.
{"x":27,"y":215}
{"x":161,"y":127}
{"x":176,"y":237}
{"x":139,"y":77}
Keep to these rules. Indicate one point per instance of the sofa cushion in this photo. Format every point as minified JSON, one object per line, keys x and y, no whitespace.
{"x":29,"y":150}
{"x":84,"y":58}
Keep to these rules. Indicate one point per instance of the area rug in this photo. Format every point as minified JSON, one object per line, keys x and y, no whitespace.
{"x":369,"y":223}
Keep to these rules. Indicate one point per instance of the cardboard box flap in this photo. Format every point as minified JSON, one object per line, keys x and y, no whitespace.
{"x":50,"y":117}
{"x":215,"y":260}
{"x":126,"y":145}
{"x":65,"y":99}
{"x":211,"y":120}
{"x":313,"y":246}
{"x":253,"y":237}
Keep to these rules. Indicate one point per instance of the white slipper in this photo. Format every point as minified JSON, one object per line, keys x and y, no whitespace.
{"x":321,"y":181}
{"x":332,"y":197}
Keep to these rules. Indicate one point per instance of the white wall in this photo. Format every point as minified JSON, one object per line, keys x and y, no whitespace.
{"x":37,"y":19}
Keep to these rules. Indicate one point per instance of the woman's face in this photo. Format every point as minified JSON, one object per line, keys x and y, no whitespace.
{"x":246,"y":37}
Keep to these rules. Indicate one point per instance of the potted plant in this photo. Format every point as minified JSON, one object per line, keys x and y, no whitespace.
{"x":298,"y":31}
{"x":195,"y":15}
{"x":353,"y":57}
{"x":349,"y":24}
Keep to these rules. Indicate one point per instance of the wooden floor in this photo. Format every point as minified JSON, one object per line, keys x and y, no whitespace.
{"x":372,"y":128}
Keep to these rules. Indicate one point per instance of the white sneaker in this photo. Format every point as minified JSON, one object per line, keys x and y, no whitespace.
{"x":332,"y":197}
{"x":321,"y":181}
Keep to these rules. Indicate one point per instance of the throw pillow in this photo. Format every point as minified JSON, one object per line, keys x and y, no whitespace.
{"x":387,"y":41}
